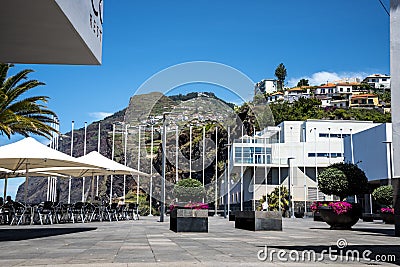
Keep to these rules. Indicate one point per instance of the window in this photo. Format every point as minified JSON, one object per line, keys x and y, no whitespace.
{"x":348,"y":90}
{"x":370,"y":101}
{"x":363,"y":101}
{"x":341,"y":89}
{"x":325,"y":155}
{"x":384,"y":79}
{"x":333,"y":135}
{"x":322,"y":91}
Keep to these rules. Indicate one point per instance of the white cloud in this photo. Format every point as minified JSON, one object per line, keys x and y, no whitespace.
{"x":325,"y":76}
{"x":99,"y":115}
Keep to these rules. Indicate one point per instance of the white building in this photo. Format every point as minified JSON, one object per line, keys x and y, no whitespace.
{"x":378,"y":81}
{"x":51,"y":31}
{"x":378,"y":139}
{"x":270,"y":85}
{"x":293,"y":150}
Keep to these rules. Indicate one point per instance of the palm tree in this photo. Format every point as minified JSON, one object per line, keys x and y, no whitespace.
{"x":19,"y":115}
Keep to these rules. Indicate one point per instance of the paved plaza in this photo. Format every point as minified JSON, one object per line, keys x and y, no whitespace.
{"x":147,"y":242}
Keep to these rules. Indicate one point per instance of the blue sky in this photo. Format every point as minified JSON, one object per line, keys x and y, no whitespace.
{"x":318,"y":40}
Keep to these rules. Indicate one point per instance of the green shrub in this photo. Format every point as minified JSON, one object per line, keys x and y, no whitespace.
{"x":384,"y":195}
{"x":189,"y":190}
{"x":333,"y":182}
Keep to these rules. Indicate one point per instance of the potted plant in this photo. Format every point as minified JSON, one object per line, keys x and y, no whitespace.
{"x":384,"y":196}
{"x":189,"y":214}
{"x":342,"y":180}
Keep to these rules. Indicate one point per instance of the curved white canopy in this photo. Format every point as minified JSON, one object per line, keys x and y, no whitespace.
{"x":105,"y":166}
{"x":31,"y":154}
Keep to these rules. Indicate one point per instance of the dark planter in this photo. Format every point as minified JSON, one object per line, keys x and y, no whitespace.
{"x":232,"y":216}
{"x":298,"y":214}
{"x":342,"y":221}
{"x":317,"y":216}
{"x":258,"y":220}
{"x":387,"y":218}
{"x":188,"y":220}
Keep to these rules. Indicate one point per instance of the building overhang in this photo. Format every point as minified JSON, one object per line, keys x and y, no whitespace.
{"x":51,"y":31}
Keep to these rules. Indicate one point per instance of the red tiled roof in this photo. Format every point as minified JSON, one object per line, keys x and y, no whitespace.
{"x":364,"y":96}
{"x":328,"y":85}
{"x":277,"y":93}
{"x":347,"y":83}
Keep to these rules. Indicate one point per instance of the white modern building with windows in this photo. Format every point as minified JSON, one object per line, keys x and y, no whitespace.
{"x":291,"y":154}
{"x":378,"y":81}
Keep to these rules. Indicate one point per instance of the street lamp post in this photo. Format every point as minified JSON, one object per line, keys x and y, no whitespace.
{"x":389,"y":145}
{"x":151,"y":170}
{"x":84,"y":153}
{"x":216,"y":172}
{"x":290,"y":183}
{"x":164,"y":150}
{"x":72,"y":148}
{"x":304,"y":170}
{"x":138,"y":168}
{"x":279,"y":169}
{"x":241,"y":173}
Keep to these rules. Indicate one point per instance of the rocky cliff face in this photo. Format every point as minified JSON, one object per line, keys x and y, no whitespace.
{"x":147,"y":112}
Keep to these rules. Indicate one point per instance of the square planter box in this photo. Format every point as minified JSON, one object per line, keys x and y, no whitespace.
{"x":232,"y":216}
{"x":258,"y":220}
{"x":188,"y":220}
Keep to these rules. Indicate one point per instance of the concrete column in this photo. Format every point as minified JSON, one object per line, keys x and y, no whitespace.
{"x":395,"y":90}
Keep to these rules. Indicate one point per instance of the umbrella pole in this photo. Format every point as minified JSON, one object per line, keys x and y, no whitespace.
{"x":48,"y":188}
{"x":5,"y":187}
{"x":83,"y":189}
{"x":97,"y":186}
{"x":69,"y":190}
{"x":92,"y":193}
{"x":111,"y":187}
{"x":26,"y":182}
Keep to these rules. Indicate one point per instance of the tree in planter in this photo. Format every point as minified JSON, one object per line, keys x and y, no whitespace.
{"x":342,"y":180}
{"x":189,"y":190}
{"x":384,"y":195}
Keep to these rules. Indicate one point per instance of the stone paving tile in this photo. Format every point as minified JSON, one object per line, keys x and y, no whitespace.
{"x":149,"y":243}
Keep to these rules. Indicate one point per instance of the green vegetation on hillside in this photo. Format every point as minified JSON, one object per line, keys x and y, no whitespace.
{"x":304,"y":109}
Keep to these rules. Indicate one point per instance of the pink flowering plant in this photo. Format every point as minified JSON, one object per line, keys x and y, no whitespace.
{"x":387,"y":210}
{"x":191,"y":205}
{"x":338,"y":207}
{"x":314,"y":206}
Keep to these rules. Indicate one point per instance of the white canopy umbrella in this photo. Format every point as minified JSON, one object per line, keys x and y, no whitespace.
{"x":10,"y":174}
{"x":30,"y":154}
{"x":105,"y":166}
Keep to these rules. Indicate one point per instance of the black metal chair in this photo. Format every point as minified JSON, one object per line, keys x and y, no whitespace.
{"x":132,"y":211}
{"x":19,"y":212}
{"x":113,"y":211}
{"x":46,"y":212}
{"x":78,"y":210}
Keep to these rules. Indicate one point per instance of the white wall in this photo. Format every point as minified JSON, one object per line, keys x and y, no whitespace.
{"x":372,"y":155}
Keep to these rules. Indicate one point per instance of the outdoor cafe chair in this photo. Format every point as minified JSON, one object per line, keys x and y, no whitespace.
{"x":21,"y":213}
{"x":132,"y":211}
{"x":99,"y":212}
{"x":46,"y":211}
{"x":65,"y":214}
{"x":113,"y":211}
{"x":78,"y":211}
